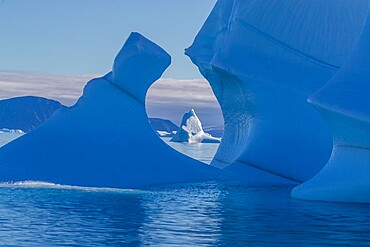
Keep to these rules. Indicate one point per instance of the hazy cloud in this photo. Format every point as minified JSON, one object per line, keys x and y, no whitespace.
{"x":174,"y":97}
{"x":167,"y":98}
{"x":66,"y":89}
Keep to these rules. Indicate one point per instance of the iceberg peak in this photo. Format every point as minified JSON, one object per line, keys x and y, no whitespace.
{"x":191,"y":130}
{"x":191,"y":123}
{"x":138,"y":64}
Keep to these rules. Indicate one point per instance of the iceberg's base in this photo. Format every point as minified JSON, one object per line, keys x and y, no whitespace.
{"x":248,"y":174}
{"x":344,"y":179}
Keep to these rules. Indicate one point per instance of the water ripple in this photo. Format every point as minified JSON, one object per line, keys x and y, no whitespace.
{"x":206,"y":214}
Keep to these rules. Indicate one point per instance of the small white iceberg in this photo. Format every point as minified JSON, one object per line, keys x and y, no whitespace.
{"x":15,"y":131}
{"x":191,"y":131}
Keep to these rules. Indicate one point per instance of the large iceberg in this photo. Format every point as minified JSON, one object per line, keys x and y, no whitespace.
{"x":345,"y":104}
{"x":263,"y":60}
{"x":105,"y":139}
{"x":191,"y":131}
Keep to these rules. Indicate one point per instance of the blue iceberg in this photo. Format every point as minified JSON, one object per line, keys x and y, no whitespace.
{"x":105,"y":139}
{"x":263,"y":60}
{"x":344,"y":102}
{"x":291,"y":77}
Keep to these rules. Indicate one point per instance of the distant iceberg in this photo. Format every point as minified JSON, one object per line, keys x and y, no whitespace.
{"x":165,"y":133}
{"x":191,"y":131}
{"x":16,"y":131}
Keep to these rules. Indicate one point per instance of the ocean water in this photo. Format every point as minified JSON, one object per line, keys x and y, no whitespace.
{"x":205,"y":214}
{"x":6,"y":137}
{"x":196,"y":214}
{"x":200,"y":151}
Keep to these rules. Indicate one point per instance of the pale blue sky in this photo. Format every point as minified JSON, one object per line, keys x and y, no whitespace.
{"x":51,"y":48}
{"x":82,"y":37}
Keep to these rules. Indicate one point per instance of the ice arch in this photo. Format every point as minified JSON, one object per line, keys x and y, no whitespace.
{"x":263,"y":59}
{"x":345,"y":104}
{"x":105,"y":139}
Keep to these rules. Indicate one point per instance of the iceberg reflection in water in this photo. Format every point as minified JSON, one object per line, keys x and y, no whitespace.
{"x":202,"y":214}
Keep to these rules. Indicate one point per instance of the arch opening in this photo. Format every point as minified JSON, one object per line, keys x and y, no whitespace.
{"x":169,"y":99}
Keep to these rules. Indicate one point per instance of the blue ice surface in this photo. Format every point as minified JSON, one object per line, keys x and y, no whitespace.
{"x":344,"y":102}
{"x":292,"y":78}
{"x":263,"y":60}
{"x":105,"y":139}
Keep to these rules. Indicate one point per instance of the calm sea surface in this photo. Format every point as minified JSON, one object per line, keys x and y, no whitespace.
{"x":202,"y":214}
{"x":200,"y":151}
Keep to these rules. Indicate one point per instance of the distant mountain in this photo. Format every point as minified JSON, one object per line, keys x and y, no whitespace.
{"x":191,"y":131}
{"x":163,"y":127}
{"x":26,"y":113}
